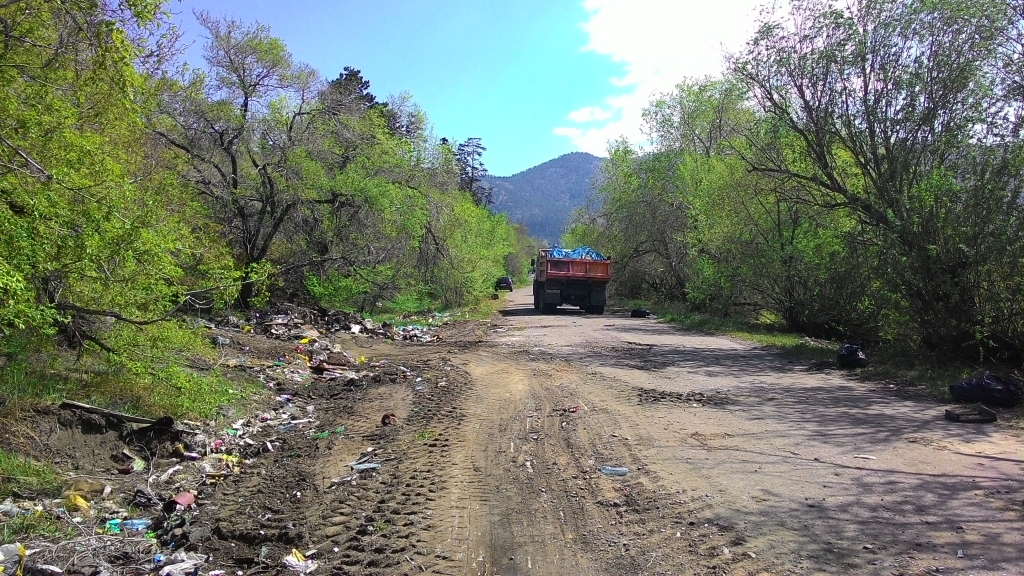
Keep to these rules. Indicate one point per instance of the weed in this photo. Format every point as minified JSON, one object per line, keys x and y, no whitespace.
{"x":24,"y":476}
{"x":380,"y":527}
{"x":34,"y":525}
{"x":424,"y":435}
{"x":168,"y":371}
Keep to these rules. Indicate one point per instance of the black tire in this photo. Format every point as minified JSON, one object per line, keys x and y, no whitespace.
{"x":536,"y":297}
{"x":597,"y":309}
{"x":549,"y":308}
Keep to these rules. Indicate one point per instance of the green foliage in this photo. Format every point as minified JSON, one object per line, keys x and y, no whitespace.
{"x":131,"y":190}
{"x":339,"y":291}
{"x":27,"y":477}
{"x":840,"y":179}
{"x":162,"y":369}
{"x":900,"y":367}
{"x":34,"y":525}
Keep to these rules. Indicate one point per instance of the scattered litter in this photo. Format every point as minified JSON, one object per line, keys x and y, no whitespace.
{"x":959,"y":553}
{"x":76,"y":502}
{"x":170,"y":472}
{"x":364,"y":466}
{"x":12,"y":558}
{"x":613,"y":470}
{"x":182,"y":564}
{"x":851,"y":356}
{"x":298,"y":563}
{"x":988,"y":388}
{"x":981,"y":415}
{"x":184,"y":499}
{"x":864,"y":457}
{"x":389,"y":419}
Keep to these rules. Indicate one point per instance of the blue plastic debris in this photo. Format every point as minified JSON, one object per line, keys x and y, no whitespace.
{"x":581,"y":253}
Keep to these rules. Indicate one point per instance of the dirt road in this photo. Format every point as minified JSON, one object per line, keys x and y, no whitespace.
{"x":740,"y":462}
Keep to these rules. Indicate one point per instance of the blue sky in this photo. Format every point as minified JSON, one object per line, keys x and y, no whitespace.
{"x":533,"y":79}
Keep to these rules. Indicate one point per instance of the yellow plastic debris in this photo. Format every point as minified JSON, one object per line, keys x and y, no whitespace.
{"x":234,"y":463}
{"x":12,"y":556}
{"x":304,"y":341}
{"x":76,"y":501}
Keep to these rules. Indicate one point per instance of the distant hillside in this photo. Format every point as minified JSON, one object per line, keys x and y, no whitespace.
{"x":543,"y":196}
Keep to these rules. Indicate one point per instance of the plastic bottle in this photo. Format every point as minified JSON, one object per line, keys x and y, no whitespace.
{"x":135,"y":524}
{"x":613,"y":470}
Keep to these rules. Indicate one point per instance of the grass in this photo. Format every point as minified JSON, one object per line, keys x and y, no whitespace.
{"x":424,"y":435}
{"x":20,"y":475}
{"x":922,"y":373}
{"x":172,"y":382}
{"x":34,"y":525}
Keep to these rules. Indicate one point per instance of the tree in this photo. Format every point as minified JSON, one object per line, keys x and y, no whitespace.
{"x":242,"y":127}
{"x":896,"y":121}
{"x":472,"y":173}
{"x":95,"y":235}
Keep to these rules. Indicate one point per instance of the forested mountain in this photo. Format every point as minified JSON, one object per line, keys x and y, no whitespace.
{"x":543,"y":196}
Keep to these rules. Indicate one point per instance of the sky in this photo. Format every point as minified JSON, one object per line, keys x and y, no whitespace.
{"x":533,"y":79}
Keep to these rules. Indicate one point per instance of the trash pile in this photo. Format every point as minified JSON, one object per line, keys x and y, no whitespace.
{"x":988,"y":388}
{"x":640,"y":313}
{"x":156,"y":496}
{"x":298,"y":324}
{"x":851,"y":356}
{"x":147,"y":511}
{"x":289,"y":322}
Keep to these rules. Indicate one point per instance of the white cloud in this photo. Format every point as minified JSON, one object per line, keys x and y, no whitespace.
{"x":589,"y":114}
{"x":658,"y":43}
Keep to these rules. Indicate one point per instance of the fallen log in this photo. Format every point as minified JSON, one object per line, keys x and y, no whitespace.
{"x":69,"y":404}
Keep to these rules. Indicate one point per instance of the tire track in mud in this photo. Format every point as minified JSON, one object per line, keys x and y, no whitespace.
{"x":641,"y":524}
{"x":401,"y":517}
{"x":530,"y":525}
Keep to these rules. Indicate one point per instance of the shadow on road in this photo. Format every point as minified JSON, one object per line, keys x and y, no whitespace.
{"x":527,"y":310}
{"x":790,"y":437}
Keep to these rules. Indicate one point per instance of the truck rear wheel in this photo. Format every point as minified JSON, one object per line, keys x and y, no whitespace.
{"x":548,"y":308}
{"x":597,"y":309}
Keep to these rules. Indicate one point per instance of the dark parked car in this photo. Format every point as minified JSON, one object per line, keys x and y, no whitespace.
{"x":503,"y":283}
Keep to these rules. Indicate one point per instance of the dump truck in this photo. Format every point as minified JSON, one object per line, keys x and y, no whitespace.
{"x":575,"y":277}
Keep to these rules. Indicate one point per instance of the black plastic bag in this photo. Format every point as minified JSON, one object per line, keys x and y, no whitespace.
{"x":640,"y":313}
{"x":988,"y":389}
{"x":851,"y":356}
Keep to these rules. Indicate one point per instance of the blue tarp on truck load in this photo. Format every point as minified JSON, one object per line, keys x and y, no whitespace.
{"x":581,"y":253}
